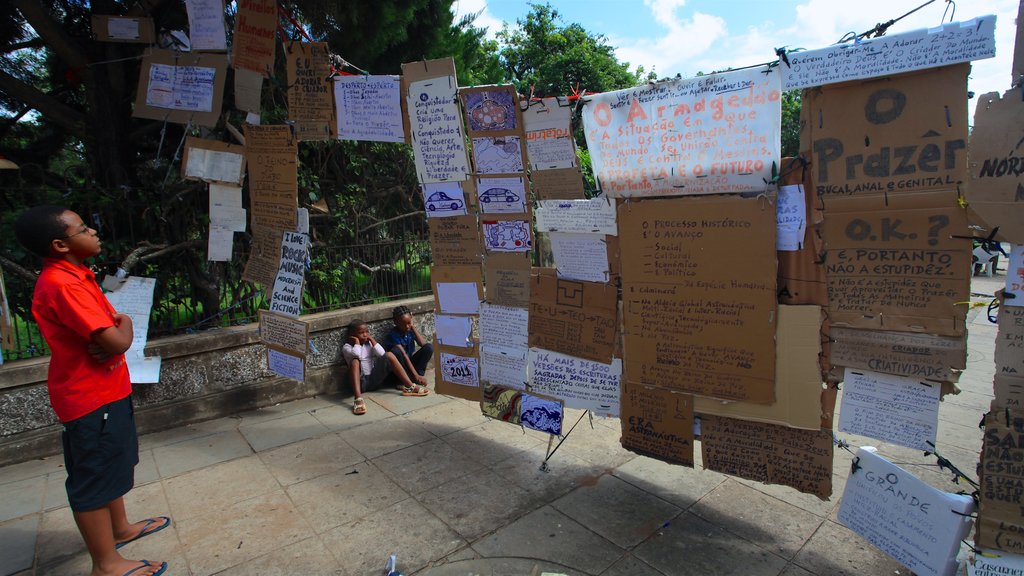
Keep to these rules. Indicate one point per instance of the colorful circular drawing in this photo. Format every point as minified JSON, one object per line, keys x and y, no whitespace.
{"x":488,"y":115}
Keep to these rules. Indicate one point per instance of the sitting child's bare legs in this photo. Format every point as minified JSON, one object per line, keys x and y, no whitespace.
{"x":355,"y":378}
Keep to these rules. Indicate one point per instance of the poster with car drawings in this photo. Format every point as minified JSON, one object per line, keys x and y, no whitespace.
{"x":507,"y":235}
{"x":442,"y":199}
{"x":501,"y":195}
{"x":498,"y":154}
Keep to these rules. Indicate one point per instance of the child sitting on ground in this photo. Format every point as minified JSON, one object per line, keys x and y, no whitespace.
{"x":402,"y":341}
{"x":362,"y":354}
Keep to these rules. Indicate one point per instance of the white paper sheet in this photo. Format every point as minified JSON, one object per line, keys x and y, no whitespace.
{"x":594,"y":216}
{"x":219,"y":243}
{"x":225,"y":195}
{"x":498,"y":154}
{"x":917,"y":525}
{"x":462,"y":370}
{"x":895,"y":409}
{"x":369,"y":108}
{"x":123,"y":28}
{"x":206,"y":24}
{"x":135,"y":298}
{"x":501,"y":195}
{"x":549,"y":153}
{"x":458,"y":297}
{"x":248,"y":93}
{"x":286,"y":365}
{"x":995,"y":563}
{"x":502,"y":366}
{"x":504,"y":326}
{"x":507,"y":235}
{"x":442,"y":199}
{"x":453,"y":330}
{"x":287,"y":295}
{"x":214,"y":165}
{"x":181,"y":87}
{"x":580,"y":256}
{"x":1015,"y":277}
{"x":791,"y":218}
{"x":579,"y":383}
{"x":435,"y":125}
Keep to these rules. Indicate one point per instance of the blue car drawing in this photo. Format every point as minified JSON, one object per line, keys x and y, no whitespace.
{"x":442,"y":201}
{"x":499,"y":194}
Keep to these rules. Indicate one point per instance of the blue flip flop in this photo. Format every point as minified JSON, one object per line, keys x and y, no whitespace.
{"x":147,"y":530}
{"x":163,"y":567}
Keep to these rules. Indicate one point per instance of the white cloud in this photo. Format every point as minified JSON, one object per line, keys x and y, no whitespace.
{"x":484,"y":20}
{"x":686,"y":38}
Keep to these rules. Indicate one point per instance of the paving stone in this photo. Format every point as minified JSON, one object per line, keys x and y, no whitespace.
{"x":31,"y":469}
{"x":337,"y":418}
{"x":187,"y":432}
{"x":146,"y":470}
{"x":448,"y":417}
{"x":492,"y":442}
{"x":406,"y":529}
{"x":304,"y":405}
{"x":547,"y":534}
{"x":21,"y":497}
{"x":307,"y":556}
{"x":394,"y":402}
{"x":386,"y":436}
{"x":56,"y":494}
{"x":564,"y":472}
{"x":694,"y":546}
{"x":616,"y":510}
{"x":770,"y":523}
{"x":344,"y":496}
{"x":478,"y":503}
{"x":599,"y":445}
{"x":198,"y":492}
{"x":310,"y":458}
{"x":836,"y":551}
{"x":240,"y":532}
{"x":59,"y":539}
{"x":175,"y":459}
{"x":18,"y":544}
{"x":631,"y":566}
{"x":500,"y":567}
{"x":808,"y":502}
{"x":794,"y":570}
{"x":679,"y":485}
{"x":426,"y":466}
{"x":280,"y":431}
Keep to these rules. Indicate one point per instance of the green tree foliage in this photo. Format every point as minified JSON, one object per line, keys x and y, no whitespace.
{"x":791,"y":103}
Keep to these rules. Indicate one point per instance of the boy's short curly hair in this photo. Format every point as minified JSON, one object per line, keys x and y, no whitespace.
{"x":400,"y":311}
{"x":38,"y":226}
{"x":353,"y":327}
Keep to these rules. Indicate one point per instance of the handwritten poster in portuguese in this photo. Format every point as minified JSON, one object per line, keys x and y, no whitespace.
{"x":710,"y":134}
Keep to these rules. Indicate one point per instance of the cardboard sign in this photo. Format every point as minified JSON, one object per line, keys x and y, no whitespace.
{"x":435,"y":125}
{"x":455,"y":241}
{"x":705,"y":135}
{"x":254,"y":42}
{"x":996,"y":189}
{"x":457,"y":372}
{"x":1009,"y":355}
{"x":698,"y":296}
{"x":508,"y":279}
{"x":918,"y":355}
{"x":895,"y":263}
{"x":574,"y":318}
{"x":503,"y":366}
{"x":594,"y":216}
{"x":797,"y":376}
{"x":457,"y":289}
{"x":248,"y":90}
{"x":507,"y":234}
{"x":417,"y":71}
{"x":1013,"y":291}
{"x":895,"y":409}
{"x":657,"y":423}
{"x":130,"y":29}
{"x":284,"y":332}
{"x":288,"y":365}
{"x":885,"y":56}
{"x":917,"y":525}
{"x":272,"y":154}
{"x":1000,"y":517}
{"x":549,"y":140}
{"x":801,"y":459}
{"x":264,"y":256}
{"x":560,"y":184}
{"x":212,"y":161}
{"x":369,"y":108}
{"x":989,"y":563}
{"x":286,"y":297}
{"x":801,"y":276}
{"x":181,"y":87}
{"x":579,"y":383}
{"x":1008,"y":391}
{"x":310,"y":90}
{"x":891,"y":135}
{"x":491,"y":110}
{"x":206,"y":30}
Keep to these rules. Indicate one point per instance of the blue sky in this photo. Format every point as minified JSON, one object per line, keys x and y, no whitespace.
{"x":687,"y":36}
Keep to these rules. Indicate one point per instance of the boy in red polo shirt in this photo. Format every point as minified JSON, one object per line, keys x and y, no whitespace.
{"x":89,"y":387}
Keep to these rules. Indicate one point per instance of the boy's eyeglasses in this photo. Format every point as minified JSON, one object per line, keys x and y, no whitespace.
{"x":82,"y":231}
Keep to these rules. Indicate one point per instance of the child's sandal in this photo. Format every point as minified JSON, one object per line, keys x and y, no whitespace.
{"x":359,"y":408}
{"x":413,"y":390}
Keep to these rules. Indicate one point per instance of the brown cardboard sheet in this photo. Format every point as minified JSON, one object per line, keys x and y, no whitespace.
{"x":310,"y":90}
{"x":767,"y":453}
{"x":996,"y":189}
{"x":1008,"y":390}
{"x":657,"y":423}
{"x":255,"y":35}
{"x":557,"y":184}
{"x":457,"y":372}
{"x":801,"y":278}
{"x":898,"y":262}
{"x":264,"y":256}
{"x":422,"y":70}
{"x":1000,"y":524}
{"x":893,"y":134}
{"x":181,"y":61}
{"x":574,"y":318}
{"x":698,"y":295}
{"x":455,"y":240}
{"x":902,"y":353}
{"x":208,"y":150}
{"x":1009,"y":354}
{"x":285,"y":333}
{"x":798,"y":383}
{"x":130,"y":29}
{"x":507,"y":279}
{"x":459,"y":285}
{"x":271,"y":152}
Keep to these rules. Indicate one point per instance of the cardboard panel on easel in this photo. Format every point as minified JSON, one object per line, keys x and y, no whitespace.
{"x":129,"y":29}
{"x":457,"y":372}
{"x":801,"y":277}
{"x":574,"y":318}
{"x":457,"y":289}
{"x":995,"y":192}
{"x":898,"y":262}
{"x":894,"y":134}
{"x":507,"y":277}
{"x":698,"y":295}
{"x":173,"y":87}
{"x":455,"y":240}
{"x":657,"y":423}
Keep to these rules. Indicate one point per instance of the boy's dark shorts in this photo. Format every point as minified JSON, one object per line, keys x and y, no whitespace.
{"x":101,"y":450}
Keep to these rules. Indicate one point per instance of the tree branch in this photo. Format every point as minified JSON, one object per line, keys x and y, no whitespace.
{"x":18,"y":270}
{"x":52,"y":33}
{"x":146,"y":252}
{"x":68,"y":118}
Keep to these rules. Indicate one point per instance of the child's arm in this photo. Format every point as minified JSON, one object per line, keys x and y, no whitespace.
{"x":420,"y":340}
{"x":378,"y":350}
{"x":116,"y":339}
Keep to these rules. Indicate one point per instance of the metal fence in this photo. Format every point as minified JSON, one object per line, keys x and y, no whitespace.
{"x":391,"y":262}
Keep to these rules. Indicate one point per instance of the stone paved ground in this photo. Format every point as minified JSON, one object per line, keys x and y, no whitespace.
{"x":308,"y":488}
